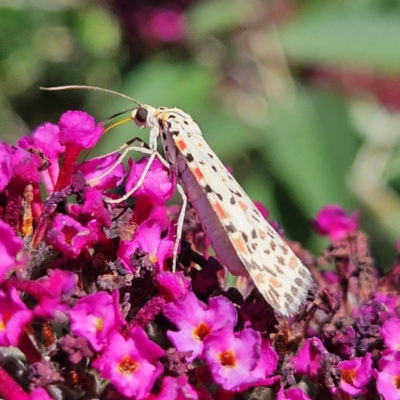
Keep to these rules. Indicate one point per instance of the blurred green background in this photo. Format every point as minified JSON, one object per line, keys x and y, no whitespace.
{"x":301,"y":98}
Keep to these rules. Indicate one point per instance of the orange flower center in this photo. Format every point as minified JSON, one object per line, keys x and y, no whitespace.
{"x":127,"y":366}
{"x":396,"y":381}
{"x":227,"y":359}
{"x":348,"y":375}
{"x":201,"y":331}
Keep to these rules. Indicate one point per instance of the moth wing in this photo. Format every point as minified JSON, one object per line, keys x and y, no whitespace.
{"x":277,"y":272}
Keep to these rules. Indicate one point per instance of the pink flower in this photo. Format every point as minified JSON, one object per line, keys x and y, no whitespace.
{"x":196,"y":321}
{"x":390,"y":334}
{"x":291,"y":394}
{"x":25,"y":166}
{"x":5,"y":165}
{"x":69,"y":236}
{"x":93,"y":207}
{"x":131,"y":364}
{"x":95,"y":316}
{"x":148,"y":239}
{"x":167,"y":25}
{"x":309,"y":359}
{"x":157,"y":186}
{"x":173,"y":286}
{"x":98,"y":166}
{"x":14,"y":316}
{"x":176,"y":389}
{"x":388,"y":378}
{"x":79,"y":128}
{"x":355,"y":374}
{"x":332,"y":221}
{"x":231,"y":357}
{"x":52,"y":292}
{"x":266,"y":366}
{"x":10,"y":246}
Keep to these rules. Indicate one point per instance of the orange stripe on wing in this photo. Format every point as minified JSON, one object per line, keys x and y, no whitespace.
{"x":243,"y":206}
{"x":275,"y":283}
{"x":181,"y":144}
{"x":220,"y":210}
{"x":240,"y":244}
{"x":198,"y":173}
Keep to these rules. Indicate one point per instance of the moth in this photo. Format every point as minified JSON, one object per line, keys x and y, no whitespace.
{"x":244,"y":242}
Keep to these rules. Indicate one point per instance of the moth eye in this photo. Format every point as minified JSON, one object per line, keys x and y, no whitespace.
{"x":141,"y":115}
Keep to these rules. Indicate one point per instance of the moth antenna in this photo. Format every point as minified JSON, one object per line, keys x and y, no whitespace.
{"x":96,"y":88}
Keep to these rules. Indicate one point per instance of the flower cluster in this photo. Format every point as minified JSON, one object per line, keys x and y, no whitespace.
{"x":90,"y":305}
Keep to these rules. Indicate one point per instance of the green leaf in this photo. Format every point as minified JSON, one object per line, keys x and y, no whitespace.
{"x":343,"y":38}
{"x":311,"y":145}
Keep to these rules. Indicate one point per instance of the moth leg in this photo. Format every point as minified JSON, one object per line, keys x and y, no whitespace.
{"x":127,"y":148}
{"x":179,"y":226}
{"x":139,"y":183}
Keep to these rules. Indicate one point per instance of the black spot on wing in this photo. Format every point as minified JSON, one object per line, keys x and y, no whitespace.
{"x":214,"y":168}
{"x":164,"y":135}
{"x":289,"y":298}
{"x":232,"y":200}
{"x":294,"y":290}
{"x":175,"y":133}
{"x":238,"y":194}
{"x":254,"y":234}
{"x":219,"y":196}
{"x":207,"y":189}
{"x":211,"y":155}
{"x":245,"y":237}
{"x":299,"y":282}
{"x":189,"y":157}
{"x":230,"y":228}
{"x":202,"y":162}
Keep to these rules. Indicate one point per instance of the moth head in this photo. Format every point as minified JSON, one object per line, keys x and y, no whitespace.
{"x":139,"y":116}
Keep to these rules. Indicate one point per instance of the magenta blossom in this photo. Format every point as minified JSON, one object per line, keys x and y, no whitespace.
{"x":69,"y":236}
{"x":131,"y":364}
{"x":390,"y":334}
{"x":232,"y":357}
{"x":5,"y":165}
{"x":166,"y":25}
{"x":388,"y":378}
{"x":25,"y":166}
{"x":332,"y":221}
{"x":93,"y":208}
{"x":10,"y":246}
{"x":176,"y":389}
{"x":309,"y":359}
{"x":173,"y":286}
{"x":79,"y":128}
{"x":148,"y":239}
{"x":95,"y":316}
{"x":196,"y":321}
{"x":96,"y":167}
{"x":45,"y":141}
{"x":266,"y":366}
{"x":291,"y":394}
{"x":50,"y":292}
{"x":355,"y":374}
{"x":14,"y":316}
{"x":157,"y":186}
